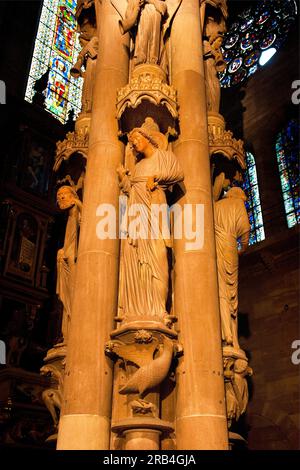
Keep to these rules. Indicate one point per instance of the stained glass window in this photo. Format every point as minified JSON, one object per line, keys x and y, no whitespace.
{"x":255,"y":37}
{"x":56,"y":47}
{"x":287,"y":151}
{"x":250,"y":186}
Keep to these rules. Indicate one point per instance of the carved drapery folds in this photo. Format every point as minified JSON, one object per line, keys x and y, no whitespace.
{"x":231,"y":228}
{"x":213,"y":15}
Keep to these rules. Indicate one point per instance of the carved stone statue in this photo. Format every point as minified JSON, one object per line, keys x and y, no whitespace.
{"x":144,"y":266}
{"x":225,"y":179}
{"x":214,"y":28}
{"x":66,"y":257}
{"x":146,"y":16}
{"x":149,"y":23}
{"x":152,"y":356}
{"x":52,"y":396}
{"x":236,"y":388}
{"x":231,"y":224}
{"x":87,"y":57}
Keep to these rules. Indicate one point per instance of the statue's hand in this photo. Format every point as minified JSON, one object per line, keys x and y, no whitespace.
{"x":161,"y":8}
{"x":151,"y":183}
{"x":60,"y":254}
{"x":121,"y":171}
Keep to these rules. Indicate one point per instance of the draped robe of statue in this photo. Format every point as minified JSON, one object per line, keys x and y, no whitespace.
{"x":148,"y":35}
{"x":213,"y":33}
{"x":66,"y":263}
{"x":231,"y":223}
{"x":144,"y":265}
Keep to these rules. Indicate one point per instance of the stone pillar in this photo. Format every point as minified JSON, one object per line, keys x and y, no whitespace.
{"x":201,"y":413}
{"x":86,"y":410}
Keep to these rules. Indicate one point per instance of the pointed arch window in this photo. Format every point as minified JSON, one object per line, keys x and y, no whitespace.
{"x":287,"y":152}
{"x":56,"y":49}
{"x":250,"y":186}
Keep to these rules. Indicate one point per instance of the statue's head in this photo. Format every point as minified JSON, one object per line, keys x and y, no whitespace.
{"x":66,"y":197}
{"x":147,"y":134}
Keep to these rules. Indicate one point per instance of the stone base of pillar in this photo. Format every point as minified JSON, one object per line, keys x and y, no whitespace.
{"x":142,"y":433}
{"x":83,"y":432}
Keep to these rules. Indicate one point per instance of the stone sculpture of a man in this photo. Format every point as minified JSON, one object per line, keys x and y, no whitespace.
{"x":87,"y":60}
{"x":146,"y":16}
{"x":214,"y":28}
{"x":144,"y":266}
{"x":66,"y":257}
{"x":231,"y":224}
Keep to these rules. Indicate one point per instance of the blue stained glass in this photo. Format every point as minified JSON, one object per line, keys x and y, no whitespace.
{"x":253,"y":206}
{"x":268,"y":41}
{"x":225,"y":82}
{"x":252,"y":70}
{"x":287,"y":151}
{"x":235,"y":65}
{"x":246,"y":25}
{"x":261,"y":26}
{"x":291,"y":220}
{"x":272,"y":24}
{"x":252,"y":58}
{"x":263,"y":17}
{"x":57,"y":46}
{"x":228,"y":56}
{"x":231,"y":41}
{"x":247,"y":43}
{"x":239,"y":76}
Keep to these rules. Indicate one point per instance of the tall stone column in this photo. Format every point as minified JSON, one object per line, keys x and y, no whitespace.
{"x":86,"y":409}
{"x":201,"y":413}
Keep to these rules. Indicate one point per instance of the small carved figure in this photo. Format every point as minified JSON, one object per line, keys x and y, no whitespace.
{"x":236,"y":389}
{"x":52,"y":396}
{"x":153,"y":359}
{"x":66,"y":257}
{"x":214,"y":29}
{"x":87,"y":56}
{"x":231,"y":225}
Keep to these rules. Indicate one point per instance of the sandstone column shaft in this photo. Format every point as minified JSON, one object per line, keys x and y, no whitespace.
{"x":85,"y":421}
{"x":201,"y":415}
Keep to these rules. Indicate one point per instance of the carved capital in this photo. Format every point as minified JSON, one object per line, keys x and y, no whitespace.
{"x":222,"y":141}
{"x":147,"y":84}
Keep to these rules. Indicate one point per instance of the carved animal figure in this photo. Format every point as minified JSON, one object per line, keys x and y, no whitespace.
{"x":152,"y":373}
